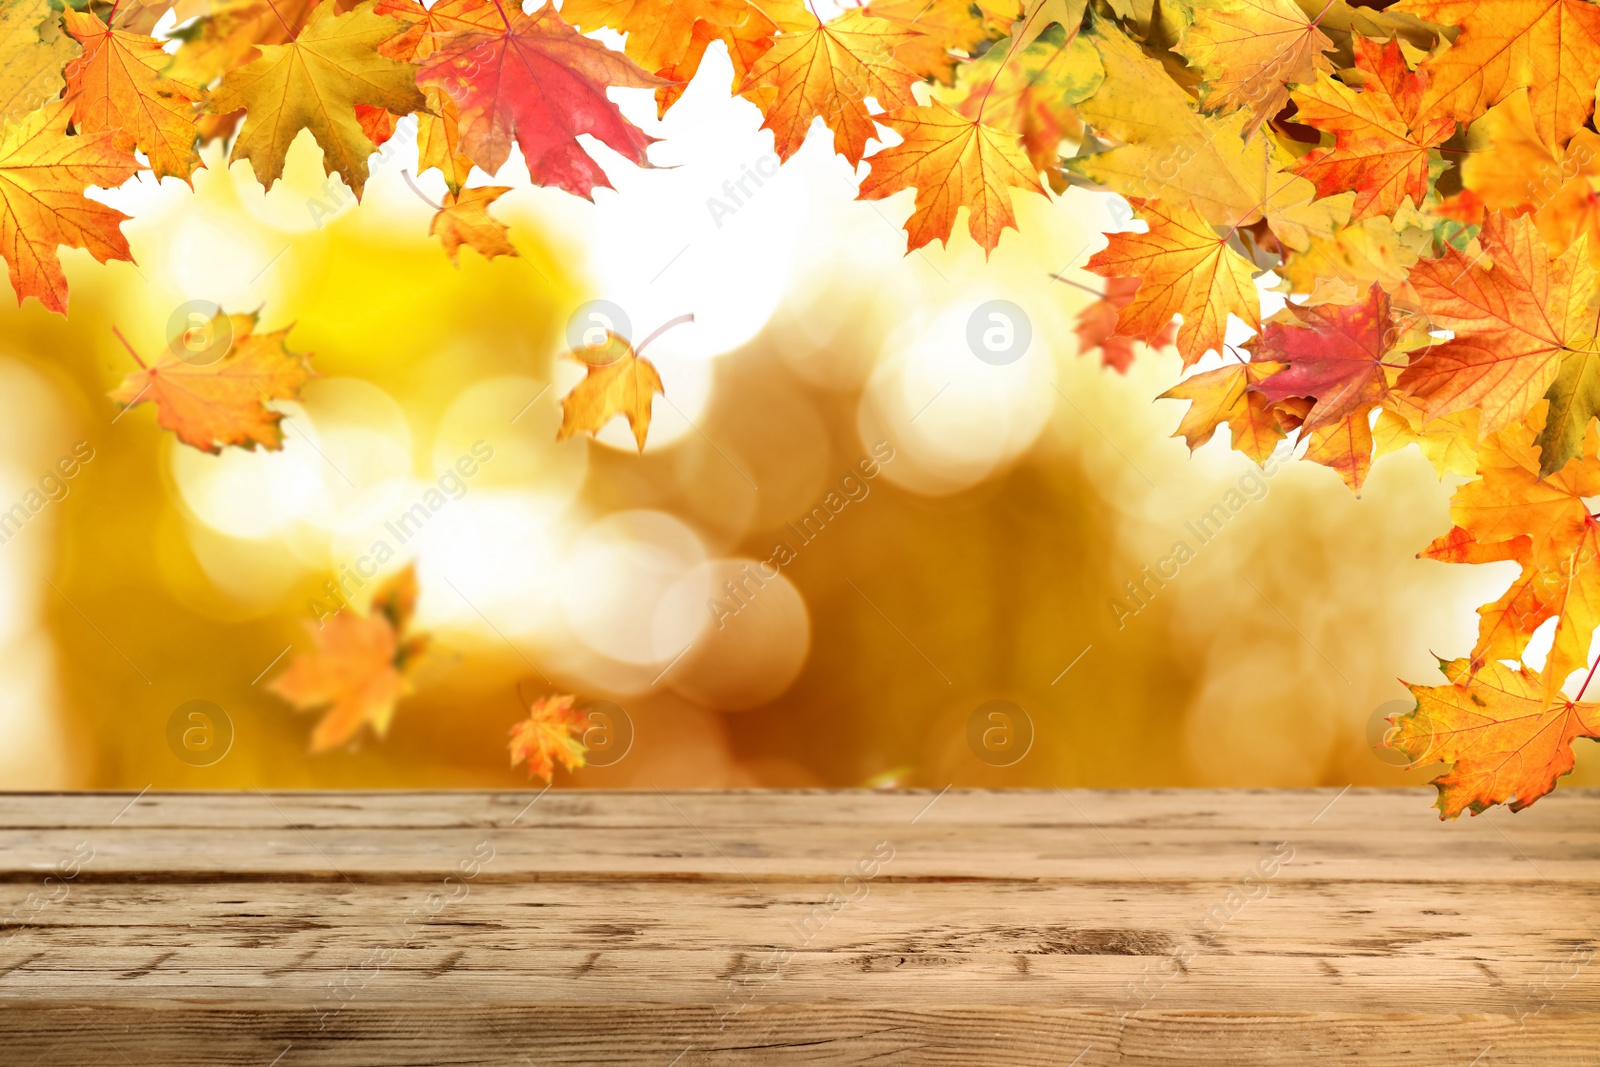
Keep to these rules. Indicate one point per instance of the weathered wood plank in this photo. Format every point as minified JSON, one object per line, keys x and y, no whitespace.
{"x":812,"y":927}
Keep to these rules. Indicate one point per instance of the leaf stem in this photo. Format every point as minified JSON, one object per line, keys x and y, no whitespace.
{"x":129,"y":347}
{"x":1589,"y":678}
{"x":663,"y":328}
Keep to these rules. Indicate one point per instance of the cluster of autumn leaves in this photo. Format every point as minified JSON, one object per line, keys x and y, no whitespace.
{"x":1421,"y":178}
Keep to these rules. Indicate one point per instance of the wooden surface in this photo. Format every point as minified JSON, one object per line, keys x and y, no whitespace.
{"x":1017,"y":928}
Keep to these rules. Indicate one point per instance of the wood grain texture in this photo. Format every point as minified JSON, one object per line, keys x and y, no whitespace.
{"x":1007,"y":928}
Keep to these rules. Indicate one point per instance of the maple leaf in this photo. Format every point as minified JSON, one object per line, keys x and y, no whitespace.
{"x":1097,"y":326}
{"x":229,"y":34}
{"x":1333,"y":353}
{"x":1171,"y":152}
{"x":552,"y":733}
{"x":541,"y":83}
{"x":1185,"y":269}
{"x":1225,"y":395}
{"x":938,"y":27}
{"x":116,"y":85}
{"x":827,"y":71}
{"x":465,"y":220}
{"x":1344,"y":446}
{"x":313,"y":83}
{"x":1519,"y":324}
{"x":1380,"y":149}
{"x":224,"y":402}
{"x":952,"y":162}
{"x":670,"y":37}
{"x":618,"y":382}
{"x":1248,"y":53}
{"x":1336,"y":267}
{"x":1510,"y":513}
{"x":1450,"y":443}
{"x":1509,"y":169}
{"x":1032,"y":92}
{"x":32,"y":52}
{"x":43,"y":174}
{"x":1504,"y":739}
{"x":1549,"y":47}
{"x":360,"y":667}
{"x":438,"y":128}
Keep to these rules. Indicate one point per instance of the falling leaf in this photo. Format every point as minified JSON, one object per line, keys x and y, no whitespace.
{"x":116,"y":85}
{"x":44,"y":172}
{"x":313,"y":83}
{"x":465,"y":220}
{"x":828,"y":71}
{"x":618,"y":382}
{"x":541,"y":83}
{"x":552,"y":733}
{"x":360,"y":668}
{"x":1097,"y":326}
{"x":1381,"y":150}
{"x":939,"y":29}
{"x":953,"y":162}
{"x":224,"y":402}
{"x":1186,"y":269}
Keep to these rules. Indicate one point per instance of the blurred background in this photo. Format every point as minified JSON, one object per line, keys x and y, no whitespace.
{"x":977,"y":566}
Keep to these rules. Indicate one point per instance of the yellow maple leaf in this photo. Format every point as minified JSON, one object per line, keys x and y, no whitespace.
{"x":116,"y":84}
{"x":32,"y":52}
{"x":1224,"y":396}
{"x":465,"y":220}
{"x":314,"y":83}
{"x":1250,"y":51}
{"x":618,"y":382}
{"x":828,"y":71}
{"x":1168,"y":150}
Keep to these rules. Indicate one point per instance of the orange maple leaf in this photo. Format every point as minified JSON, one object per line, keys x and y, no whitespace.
{"x":953,"y":162}
{"x":1543,"y":525}
{"x":1225,"y":395}
{"x":552,"y":732}
{"x":541,"y":83}
{"x":670,"y":37}
{"x":828,"y":71}
{"x":1185,"y":269}
{"x":360,"y":668}
{"x":465,"y":220}
{"x":116,"y":85}
{"x":1515,"y":313}
{"x":1381,"y":150}
{"x":1549,"y":47}
{"x":939,"y":27}
{"x":618,"y":382}
{"x":43,"y":174}
{"x":1505,"y":739}
{"x":1097,"y":326}
{"x":212,"y":404}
